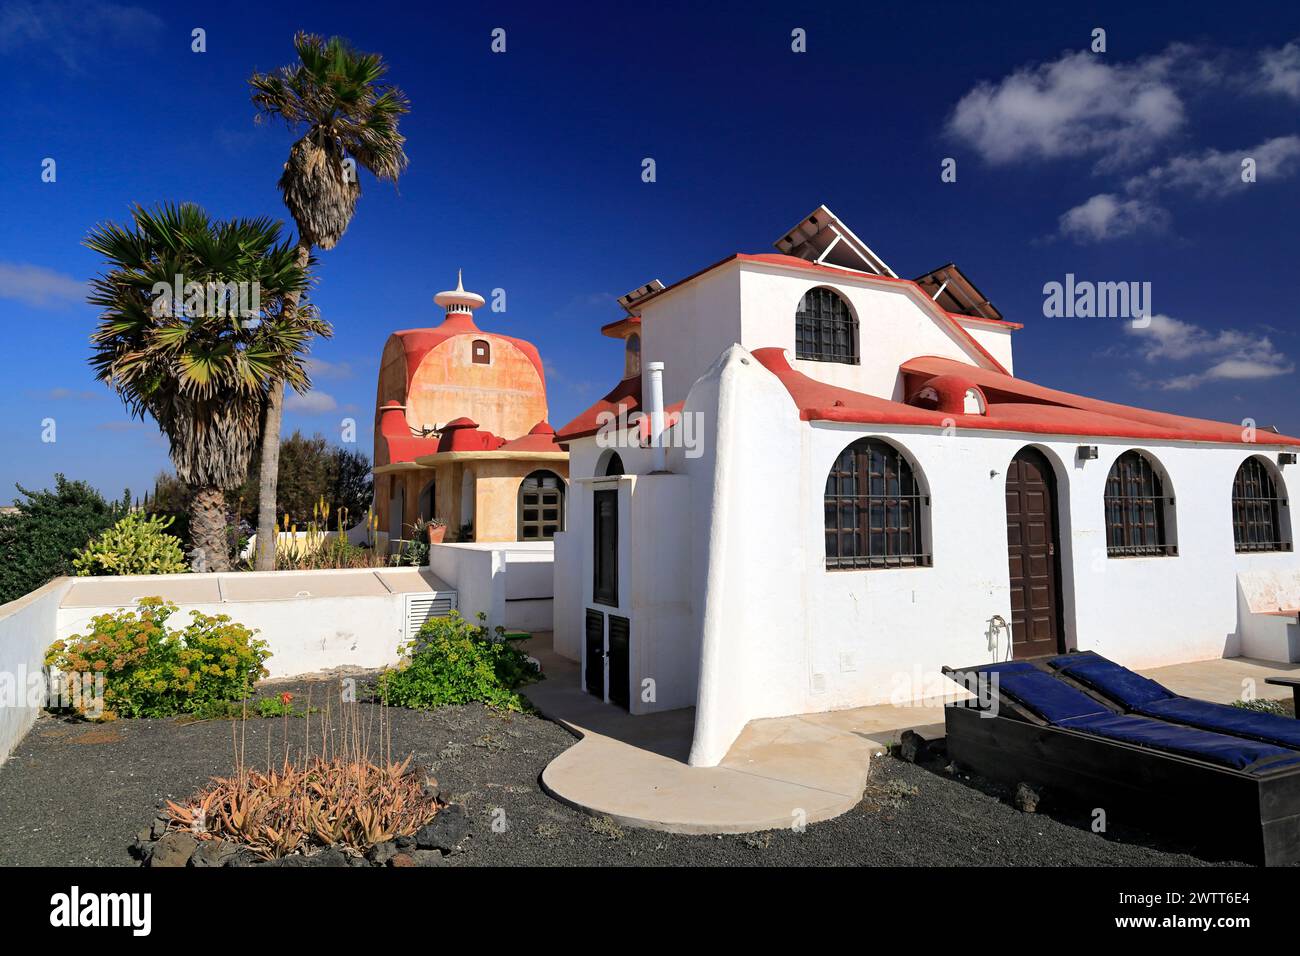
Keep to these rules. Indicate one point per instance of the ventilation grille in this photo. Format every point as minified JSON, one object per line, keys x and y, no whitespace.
{"x":421,"y":607}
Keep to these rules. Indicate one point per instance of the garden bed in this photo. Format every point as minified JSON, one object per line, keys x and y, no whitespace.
{"x":79,"y":793}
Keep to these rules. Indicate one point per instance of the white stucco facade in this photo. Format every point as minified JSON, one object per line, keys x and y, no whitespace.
{"x":722,"y":563}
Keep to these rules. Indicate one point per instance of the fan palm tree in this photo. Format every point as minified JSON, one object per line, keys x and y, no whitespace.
{"x":202,"y":360}
{"x":347,"y":116}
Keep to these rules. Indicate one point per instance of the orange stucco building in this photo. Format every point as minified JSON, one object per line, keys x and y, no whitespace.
{"x":461,"y":432}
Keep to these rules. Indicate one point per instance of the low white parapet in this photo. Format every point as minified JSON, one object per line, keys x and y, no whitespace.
{"x":1268,"y":612}
{"x":512,"y":582}
{"x":313,"y":621}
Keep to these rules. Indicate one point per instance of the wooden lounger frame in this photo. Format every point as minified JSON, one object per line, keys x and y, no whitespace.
{"x":1248,"y":816}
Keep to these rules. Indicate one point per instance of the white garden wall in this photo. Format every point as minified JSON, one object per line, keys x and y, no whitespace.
{"x":313,"y":621}
{"x":512,"y":583}
{"x":27,"y":629}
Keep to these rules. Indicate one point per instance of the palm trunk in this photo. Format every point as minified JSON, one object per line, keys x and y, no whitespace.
{"x":208,"y":530}
{"x":268,"y":530}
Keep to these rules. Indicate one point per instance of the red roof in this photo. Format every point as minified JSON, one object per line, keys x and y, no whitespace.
{"x":540,"y":438}
{"x":624,"y":399}
{"x":417,"y":343}
{"x":402,"y":445}
{"x":1014,"y":405}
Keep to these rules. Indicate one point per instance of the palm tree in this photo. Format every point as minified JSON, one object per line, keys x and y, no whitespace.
{"x":203,"y":364}
{"x":337,"y":98}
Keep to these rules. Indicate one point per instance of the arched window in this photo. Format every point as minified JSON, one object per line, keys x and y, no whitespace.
{"x":613,"y":465}
{"x":541,"y":506}
{"x":825,"y":329}
{"x":481,"y":352}
{"x":632,"y":357}
{"x":875,"y":509}
{"x":1257,"y":505}
{"x":1135,"y":509}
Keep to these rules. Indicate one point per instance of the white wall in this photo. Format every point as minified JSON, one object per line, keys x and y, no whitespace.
{"x":27,"y":629}
{"x":689,"y":327}
{"x":780,"y":634}
{"x":892,"y":326}
{"x":313,"y":621}
{"x":754,"y":304}
{"x":511,"y":582}
{"x":820,"y":640}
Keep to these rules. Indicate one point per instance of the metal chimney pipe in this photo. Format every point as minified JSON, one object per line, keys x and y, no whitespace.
{"x":655,"y":372}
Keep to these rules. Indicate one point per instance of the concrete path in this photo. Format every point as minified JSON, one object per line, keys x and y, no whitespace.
{"x":779,"y":771}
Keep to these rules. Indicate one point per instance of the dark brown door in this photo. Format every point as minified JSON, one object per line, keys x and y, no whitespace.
{"x":605,"y":538}
{"x":1036,"y":622}
{"x":620,"y":637}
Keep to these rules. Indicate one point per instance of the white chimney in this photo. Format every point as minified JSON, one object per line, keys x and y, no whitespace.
{"x":655,"y":372}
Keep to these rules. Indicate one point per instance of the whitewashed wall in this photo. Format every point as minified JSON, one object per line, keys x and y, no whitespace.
{"x":313,"y":621}
{"x":27,"y":629}
{"x":754,"y":304}
{"x":780,"y":634}
{"x":511,"y":582}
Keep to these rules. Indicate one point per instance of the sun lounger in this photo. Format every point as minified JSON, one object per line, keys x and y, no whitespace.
{"x":1141,"y":695}
{"x":1221,"y":794}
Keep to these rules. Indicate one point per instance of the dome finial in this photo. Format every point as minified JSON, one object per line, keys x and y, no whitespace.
{"x":459,"y":301}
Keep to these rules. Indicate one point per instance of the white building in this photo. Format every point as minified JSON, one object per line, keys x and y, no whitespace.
{"x":856,"y":491}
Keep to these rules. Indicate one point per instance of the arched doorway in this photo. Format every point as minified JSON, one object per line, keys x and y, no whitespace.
{"x":1033,"y":556}
{"x":541,"y":506}
{"x":396,"y":508}
{"x":428,"y":500}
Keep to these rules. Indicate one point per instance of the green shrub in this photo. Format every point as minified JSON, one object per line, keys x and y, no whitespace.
{"x":38,"y":540}
{"x":1263,"y":705}
{"x":455,"y":662}
{"x":150,"y":671}
{"x":137,"y":544}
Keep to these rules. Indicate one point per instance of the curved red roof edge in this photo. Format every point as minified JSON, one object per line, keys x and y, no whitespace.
{"x":1038,"y":410}
{"x":625,"y":396}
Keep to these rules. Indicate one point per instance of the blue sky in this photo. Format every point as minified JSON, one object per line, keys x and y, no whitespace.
{"x":526,"y":172}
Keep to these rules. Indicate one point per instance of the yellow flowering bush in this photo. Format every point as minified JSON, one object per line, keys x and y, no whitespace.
{"x":150,"y":671}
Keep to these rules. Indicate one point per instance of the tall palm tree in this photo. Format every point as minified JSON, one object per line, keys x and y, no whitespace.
{"x":203,"y":364}
{"x":337,"y":98}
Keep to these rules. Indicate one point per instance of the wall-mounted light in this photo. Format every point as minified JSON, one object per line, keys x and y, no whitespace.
{"x":1086,"y":452}
{"x":1286,"y":458}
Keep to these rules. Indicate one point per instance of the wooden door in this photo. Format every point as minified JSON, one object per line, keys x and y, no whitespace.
{"x":620,"y":661}
{"x":594,"y":672}
{"x":605,"y":540}
{"x":1032,"y":545}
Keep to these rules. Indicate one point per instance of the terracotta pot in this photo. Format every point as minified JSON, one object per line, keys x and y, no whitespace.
{"x":437,"y":534}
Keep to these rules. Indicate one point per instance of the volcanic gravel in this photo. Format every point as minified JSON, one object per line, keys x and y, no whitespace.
{"x":76,"y":793}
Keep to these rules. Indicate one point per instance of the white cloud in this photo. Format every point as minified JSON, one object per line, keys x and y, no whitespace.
{"x":1226,"y":355}
{"x":72,"y":30}
{"x":1279,"y":70}
{"x":1216,"y":173}
{"x":319,"y":368}
{"x":313,"y":403}
{"x":1106,"y":216}
{"x":38,"y":286}
{"x":1078,"y":105}
{"x":63,"y":394}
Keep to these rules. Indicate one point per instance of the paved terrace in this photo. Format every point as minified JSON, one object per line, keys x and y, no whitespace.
{"x":634,"y":770}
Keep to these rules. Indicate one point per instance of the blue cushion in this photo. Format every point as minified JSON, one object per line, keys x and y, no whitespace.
{"x":1118,"y":683}
{"x":1047,"y":696}
{"x":1214,"y":748}
{"x":1270,"y":728}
